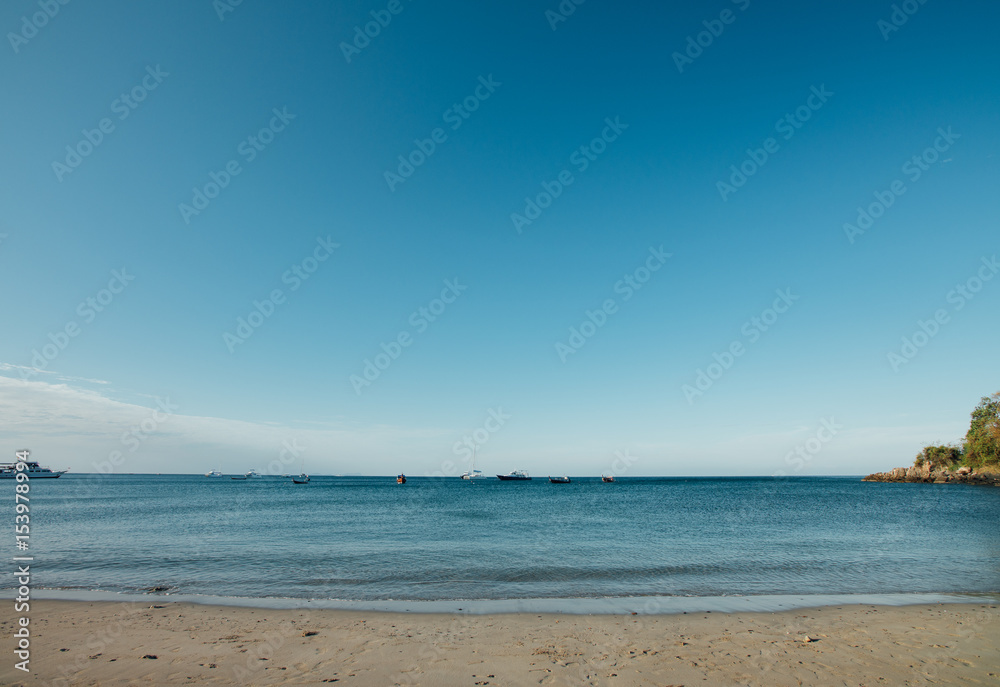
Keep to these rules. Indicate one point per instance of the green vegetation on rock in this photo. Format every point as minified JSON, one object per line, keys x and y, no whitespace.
{"x":981,"y":447}
{"x":982,"y":442}
{"x":945,"y":456}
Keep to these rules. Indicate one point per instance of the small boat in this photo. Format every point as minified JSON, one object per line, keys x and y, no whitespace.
{"x":515,"y":476}
{"x":214,"y":473}
{"x":31,"y":468}
{"x":607,"y":478}
{"x":473,"y":473}
{"x":559,"y":480}
{"x":253,"y":474}
{"x":303,"y":478}
{"x":239,"y":478}
{"x":400,"y":479}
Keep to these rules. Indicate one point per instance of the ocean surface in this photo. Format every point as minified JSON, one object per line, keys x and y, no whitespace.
{"x":369,"y":539}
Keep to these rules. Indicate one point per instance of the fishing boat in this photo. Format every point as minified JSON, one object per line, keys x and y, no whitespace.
{"x":473,"y":473}
{"x":250,"y":474}
{"x":607,"y":478}
{"x":214,"y":473}
{"x":400,"y":479}
{"x":559,"y":480}
{"x":515,"y":476}
{"x":303,"y":478}
{"x":31,"y":468}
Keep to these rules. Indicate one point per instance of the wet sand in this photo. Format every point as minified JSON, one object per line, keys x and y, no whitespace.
{"x":105,"y":643}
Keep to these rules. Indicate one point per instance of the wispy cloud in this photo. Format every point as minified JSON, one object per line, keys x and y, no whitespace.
{"x":67,"y":424}
{"x":9,"y":367}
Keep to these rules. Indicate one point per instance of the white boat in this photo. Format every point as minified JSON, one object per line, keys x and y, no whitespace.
{"x":214,"y":473}
{"x":251,"y":474}
{"x":473,"y":473}
{"x":32,"y":469}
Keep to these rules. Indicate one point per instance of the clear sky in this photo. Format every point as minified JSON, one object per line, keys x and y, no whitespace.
{"x":508,"y":167}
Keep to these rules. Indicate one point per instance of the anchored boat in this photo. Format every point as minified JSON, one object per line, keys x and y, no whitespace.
{"x":515,"y":476}
{"x":473,"y":473}
{"x":32,"y":469}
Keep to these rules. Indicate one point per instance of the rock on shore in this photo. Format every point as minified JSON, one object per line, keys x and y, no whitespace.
{"x":931,"y":473}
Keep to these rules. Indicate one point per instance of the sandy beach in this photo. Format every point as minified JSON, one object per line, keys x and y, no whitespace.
{"x":106,"y":643}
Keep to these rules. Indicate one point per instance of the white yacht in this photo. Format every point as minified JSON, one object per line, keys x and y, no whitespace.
{"x":32,"y":469}
{"x":473,"y":473}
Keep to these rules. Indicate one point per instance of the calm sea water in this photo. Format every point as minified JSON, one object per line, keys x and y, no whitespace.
{"x":368,"y":538}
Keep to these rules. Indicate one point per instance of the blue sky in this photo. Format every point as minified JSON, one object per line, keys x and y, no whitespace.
{"x":214,"y":80}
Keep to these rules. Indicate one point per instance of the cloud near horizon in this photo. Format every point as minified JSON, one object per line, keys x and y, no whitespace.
{"x":65,"y":424}
{"x":68,"y":425}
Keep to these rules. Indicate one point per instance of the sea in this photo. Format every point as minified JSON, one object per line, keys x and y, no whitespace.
{"x":369,"y":539}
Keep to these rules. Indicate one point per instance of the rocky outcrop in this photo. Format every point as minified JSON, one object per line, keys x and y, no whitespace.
{"x":930,"y":473}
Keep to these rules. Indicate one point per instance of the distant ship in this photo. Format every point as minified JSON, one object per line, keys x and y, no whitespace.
{"x":33,"y":470}
{"x":607,"y":478}
{"x":252,"y":474}
{"x":214,"y":473}
{"x":559,"y":480}
{"x":473,"y":473}
{"x":400,"y":479}
{"x":515,"y":476}
{"x":301,"y":479}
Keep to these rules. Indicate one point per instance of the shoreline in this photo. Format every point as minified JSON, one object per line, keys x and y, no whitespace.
{"x":626,"y":605}
{"x":161,"y":642}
